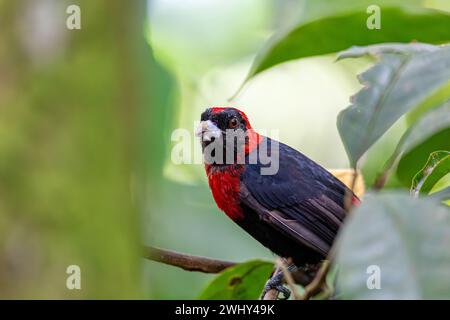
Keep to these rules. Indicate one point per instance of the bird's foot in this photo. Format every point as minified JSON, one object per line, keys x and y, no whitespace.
{"x":276,"y":283}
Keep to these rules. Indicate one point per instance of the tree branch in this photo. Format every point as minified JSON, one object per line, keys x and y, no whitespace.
{"x":185,"y":261}
{"x":208,"y":265}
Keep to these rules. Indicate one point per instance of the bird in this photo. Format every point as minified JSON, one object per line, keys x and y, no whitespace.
{"x":295,"y":211}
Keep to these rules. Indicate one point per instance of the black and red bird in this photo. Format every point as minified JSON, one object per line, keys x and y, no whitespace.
{"x":296,"y":212}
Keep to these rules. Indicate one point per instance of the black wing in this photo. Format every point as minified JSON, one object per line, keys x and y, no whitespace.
{"x":302,"y":200}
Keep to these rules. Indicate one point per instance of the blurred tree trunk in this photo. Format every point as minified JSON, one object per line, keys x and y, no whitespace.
{"x":69,"y":104}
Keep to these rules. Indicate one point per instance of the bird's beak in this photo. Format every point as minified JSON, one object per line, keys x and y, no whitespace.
{"x":207,"y":130}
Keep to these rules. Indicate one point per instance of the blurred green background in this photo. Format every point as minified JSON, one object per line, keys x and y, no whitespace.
{"x":86,"y":118}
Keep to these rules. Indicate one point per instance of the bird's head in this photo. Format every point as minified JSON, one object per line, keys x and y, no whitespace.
{"x":227,"y":124}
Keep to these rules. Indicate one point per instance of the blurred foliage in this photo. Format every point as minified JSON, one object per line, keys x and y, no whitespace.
{"x":406,"y":238}
{"x":69,"y":101}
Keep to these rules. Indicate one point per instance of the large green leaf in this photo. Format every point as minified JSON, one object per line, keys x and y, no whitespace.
{"x":437,"y":167}
{"x":406,"y":239}
{"x":244,"y":281}
{"x":405,"y":76}
{"x":337,"y":32}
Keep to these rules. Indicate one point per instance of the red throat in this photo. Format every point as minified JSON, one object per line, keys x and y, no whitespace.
{"x":225,"y":189}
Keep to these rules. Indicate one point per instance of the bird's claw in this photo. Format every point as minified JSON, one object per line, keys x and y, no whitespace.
{"x":276,"y":283}
{"x":280,"y":288}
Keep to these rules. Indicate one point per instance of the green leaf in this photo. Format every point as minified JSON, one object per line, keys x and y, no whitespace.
{"x":433,"y":101}
{"x":243,"y":281}
{"x":430,"y":133}
{"x":437,"y":166}
{"x":423,"y":132}
{"x":406,"y":238}
{"x":405,"y":76}
{"x":412,"y":161}
{"x":337,"y":32}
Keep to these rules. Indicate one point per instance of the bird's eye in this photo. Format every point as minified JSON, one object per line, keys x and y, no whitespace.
{"x":233,"y":123}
